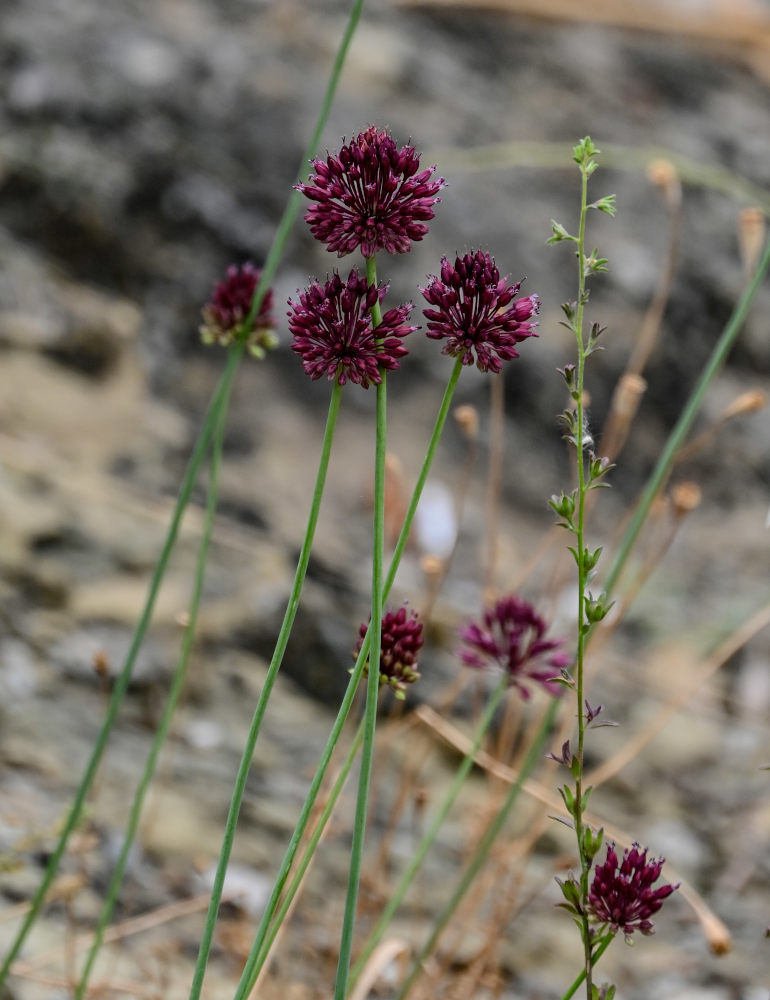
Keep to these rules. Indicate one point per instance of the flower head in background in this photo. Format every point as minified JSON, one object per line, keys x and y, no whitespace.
{"x":230,"y":305}
{"x":477,"y":312}
{"x":399,"y":648}
{"x":334,"y":334}
{"x":622,"y":895}
{"x":511,"y":636}
{"x":370,"y":195}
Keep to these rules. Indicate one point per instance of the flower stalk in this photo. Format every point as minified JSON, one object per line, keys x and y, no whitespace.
{"x":373,"y":679}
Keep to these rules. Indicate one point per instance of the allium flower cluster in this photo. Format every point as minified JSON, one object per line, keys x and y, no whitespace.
{"x":511,"y":636}
{"x":230,"y":305}
{"x":399,"y":648}
{"x":370,"y":195}
{"x":621,"y":894}
{"x":477,"y":312}
{"x":334,"y":333}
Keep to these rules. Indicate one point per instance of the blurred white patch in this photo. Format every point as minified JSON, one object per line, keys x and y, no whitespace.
{"x":203,"y":734}
{"x":243,"y":886}
{"x":435,"y":521}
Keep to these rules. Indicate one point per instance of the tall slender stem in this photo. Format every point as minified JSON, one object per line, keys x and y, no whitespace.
{"x":255,"y":965}
{"x":373,"y":679}
{"x":597,"y":954}
{"x":173,"y":698}
{"x":259,"y":712}
{"x":585,"y":864}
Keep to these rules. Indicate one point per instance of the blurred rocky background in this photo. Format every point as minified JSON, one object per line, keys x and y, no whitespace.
{"x":145,"y":146}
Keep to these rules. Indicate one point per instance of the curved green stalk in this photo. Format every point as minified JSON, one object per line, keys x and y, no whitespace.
{"x":556,"y":155}
{"x":257,"y":953}
{"x":173,"y":698}
{"x":534,"y":754}
{"x":218,"y":403}
{"x":259,"y":712}
{"x":686,"y":419}
{"x":597,"y":954}
{"x":373,"y":678}
{"x":430,"y":834}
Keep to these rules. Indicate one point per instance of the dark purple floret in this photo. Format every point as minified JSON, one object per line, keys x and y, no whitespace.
{"x":370,"y":195}
{"x":399,"y":648}
{"x":477,"y":312}
{"x":333,"y":332}
{"x":511,"y":636}
{"x":621,"y":894}
{"x":230,"y":305}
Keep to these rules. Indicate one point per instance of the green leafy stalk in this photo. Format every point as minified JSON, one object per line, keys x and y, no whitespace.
{"x":258,"y":951}
{"x":534,"y":754}
{"x":259,"y":712}
{"x":584,"y":161}
{"x":373,"y":680}
{"x":216,"y":409}
{"x":430,"y":834}
{"x":173,"y":698}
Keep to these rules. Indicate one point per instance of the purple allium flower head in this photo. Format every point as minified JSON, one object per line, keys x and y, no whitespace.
{"x":621,"y":894}
{"x":230,"y":305}
{"x":399,"y":648}
{"x":370,"y":195}
{"x":334,"y":335}
{"x":512,"y":636}
{"x":478,"y":312}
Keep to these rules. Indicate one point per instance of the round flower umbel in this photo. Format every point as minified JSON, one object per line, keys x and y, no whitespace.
{"x":399,"y":648}
{"x":370,"y":195}
{"x":230,"y":305}
{"x":511,"y":636}
{"x":477,"y":312}
{"x":334,"y":335}
{"x":621,"y":894}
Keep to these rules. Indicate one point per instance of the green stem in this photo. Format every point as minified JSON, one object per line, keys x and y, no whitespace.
{"x":373,"y":679}
{"x":585,"y":864}
{"x":255,"y":964}
{"x":173,"y":698}
{"x":534,"y":754}
{"x":256,"y":722}
{"x":218,"y":403}
{"x":597,"y":954}
{"x":430,"y":834}
{"x":685,"y":421}
{"x":252,"y":968}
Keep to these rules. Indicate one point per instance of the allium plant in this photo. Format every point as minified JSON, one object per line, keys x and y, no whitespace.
{"x":477,"y":312}
{"x":622,"y":894}
{"x":371,"y":196}
{"x":512,"y":637}
{"x":335,"y":333}
{"x":228,"y":313}
{"x":400,"y":647}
